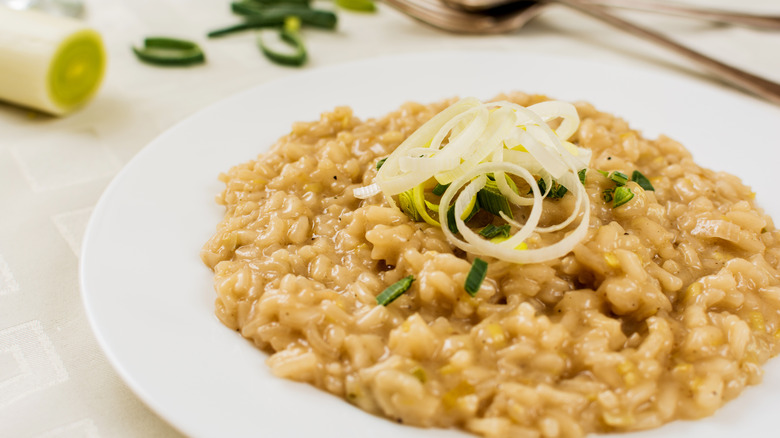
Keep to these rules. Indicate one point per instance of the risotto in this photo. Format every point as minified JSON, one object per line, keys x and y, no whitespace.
{"x":665,"y":310}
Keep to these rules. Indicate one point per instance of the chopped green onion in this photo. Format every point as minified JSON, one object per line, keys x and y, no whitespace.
{"x":469,"y":213}
{"x":622,"y":195}
{"x":608,"y":195}
{"x":619,"y":178}
{"x":556,"y":191}
{"x":440,"y":189}
{"x":603,"y":172}
{"x":406,"y":202}
{"x":169,"y":51}
{"x":642,"y":180}
{"x":476,"y":276}
{"x":254,"y":23}
{"x":357,"y":5}
{"x":274,"y":16}
{"x":491,"y":231}
{"x":289,"y":34}
{"x":380,"y":163}
{"x":582,"y":174}
{"x":491,"y":199}
{"x":394,"y":291}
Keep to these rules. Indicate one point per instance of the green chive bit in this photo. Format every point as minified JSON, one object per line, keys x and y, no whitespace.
{"x":357,"y":5}
{"x":582,"y":174}
{"x":619,"y":178}
{"x":603,"y":172}
{"x":169,"y":52}
{"x":622,"y":195}
{"x":476,"y":276}
{"x":452,"y":225}
{"x":556,"y":190}
{"x":608,"y":195}
{"x":394,"y":291}
{"x":440,"y":189}
{"x":406,"y":202}
{"x":491,"y":199}
{"x":491,"y":231}
{"x":642,"y":180}
{"x":380,"y":163}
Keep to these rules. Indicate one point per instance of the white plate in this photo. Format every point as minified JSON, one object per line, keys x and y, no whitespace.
{"x":150,"y":299}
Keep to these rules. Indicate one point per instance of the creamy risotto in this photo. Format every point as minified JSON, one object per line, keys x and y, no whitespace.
{"x":665,"y":310}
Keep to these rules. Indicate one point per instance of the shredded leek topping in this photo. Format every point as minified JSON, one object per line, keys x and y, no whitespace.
{"x":475,"y":154}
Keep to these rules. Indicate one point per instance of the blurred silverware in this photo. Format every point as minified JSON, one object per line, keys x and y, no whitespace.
{"x":514,"y":16}
{"x":769,"y":22}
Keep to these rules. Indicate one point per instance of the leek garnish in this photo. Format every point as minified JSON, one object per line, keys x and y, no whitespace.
{"x":642,"y":181}
{"x":581,"y":174}
{"x":469,"y":213}
{"x":440,"y":189}
{"x":556,"y":190}
{"x":476,"y":276}
{"x":618,"y":178}
{"x":419,"y":204}
{"x":380,"y":163}
{"x":491,"y":199}
{"x":169,"y":51}
{"x":394,"y":291}
{"x":406,"y":203}
{"x":476,"y":152}
{"x":491,"y":231}
{"x":623,"y":194}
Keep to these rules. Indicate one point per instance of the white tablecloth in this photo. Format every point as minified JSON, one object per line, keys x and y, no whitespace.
{"x":54,"y":379}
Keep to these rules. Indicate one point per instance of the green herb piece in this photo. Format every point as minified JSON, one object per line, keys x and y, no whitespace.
{"x":556,"y":191}
{"x":394,"y":291}
{"x":608,"y":195}
{"x":622,"y":195}
{"x":476,"y":276}
{"x":170,"y":52}
{"x":491,"y":199}
{"x":603,"y":172}
{"x":357,"y":5}
{"x":254,"y":23}
{"x":266,"y":3}
{"x":491,"y":231}
{"x":642,"y":180}
{"x":452,"y":225}
{"x":380,"y":163}
{"x":312,"y":17}
{"x":619,"y":178}
{"x":440,"y":189}
{"x":582,"y":174}
{"x":406,"y":202}
{"x":289,"y":35}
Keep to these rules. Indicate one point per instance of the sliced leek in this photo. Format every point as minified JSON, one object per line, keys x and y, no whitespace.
{"x":475,"y":153}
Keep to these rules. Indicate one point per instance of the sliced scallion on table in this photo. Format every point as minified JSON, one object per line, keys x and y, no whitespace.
{"x":476,"y":276}
{"x":394,"y":291}
{"x":357,"y":5}
{"x":170,"y":52}
{"x":290,"y":35}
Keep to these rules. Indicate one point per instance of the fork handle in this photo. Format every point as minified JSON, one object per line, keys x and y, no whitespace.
{"x":757,"y":85}
{"x":753,"y":20}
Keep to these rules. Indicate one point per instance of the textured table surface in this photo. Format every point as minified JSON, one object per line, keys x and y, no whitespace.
{"x":54,"y":379}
